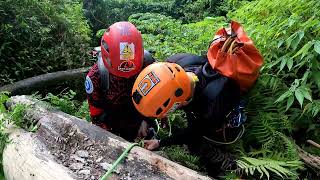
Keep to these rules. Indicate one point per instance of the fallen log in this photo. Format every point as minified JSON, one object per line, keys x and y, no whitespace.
{"x":34,"y":83}
{"x":310,"y":160}
{"x":65,"y":147}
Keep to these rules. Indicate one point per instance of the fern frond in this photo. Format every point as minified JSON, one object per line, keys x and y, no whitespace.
{"x":313,"y":108}
{"x":268,"y":167}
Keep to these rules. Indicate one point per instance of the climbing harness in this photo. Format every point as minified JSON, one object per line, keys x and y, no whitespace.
{"x":227,"y":143}
{"x":236,"y":118}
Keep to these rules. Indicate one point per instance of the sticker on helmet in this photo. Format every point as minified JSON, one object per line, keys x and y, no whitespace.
{"x":88,"y":85}
{"x":126,"y":66}
{"x":126,"y":51}
{"x":148,"y":82}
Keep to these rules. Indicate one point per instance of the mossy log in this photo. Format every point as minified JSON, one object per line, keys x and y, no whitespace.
{"x":46,"y":80}
{"x":65,"y":147}
{"x":310,"y":160}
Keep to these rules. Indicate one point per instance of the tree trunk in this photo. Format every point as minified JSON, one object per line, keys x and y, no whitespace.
{"x":65,"y":147}
{"x":34,"y":83}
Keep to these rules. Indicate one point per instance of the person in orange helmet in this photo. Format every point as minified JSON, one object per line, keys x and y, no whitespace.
{"x":121,"y":57}
{"x":209,"y":99}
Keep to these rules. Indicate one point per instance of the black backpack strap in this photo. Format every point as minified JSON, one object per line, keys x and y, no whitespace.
{"x":214,"y":87}
{"x":147,"y":58}
{"x":104,"y":75}
{"x":185,"y":59}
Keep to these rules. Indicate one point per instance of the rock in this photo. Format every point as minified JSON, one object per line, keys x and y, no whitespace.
{"x":99,"y":159}
{"x":82,"y":153}
{"x":76,"y":166}
{"x":77,"y":158}
{"x":105,"y":166}
{"x":85,"y":172}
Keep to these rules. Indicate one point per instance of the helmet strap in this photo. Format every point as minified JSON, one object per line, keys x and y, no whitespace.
{"x":193,"y":81}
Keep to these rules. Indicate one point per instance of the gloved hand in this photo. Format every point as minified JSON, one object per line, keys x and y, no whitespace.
{"x":143,"y":130}
{"x":164,"y":123}
{"x":151,"y":144}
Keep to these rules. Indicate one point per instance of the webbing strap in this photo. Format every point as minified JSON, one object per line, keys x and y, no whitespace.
{"x":104,"y":75}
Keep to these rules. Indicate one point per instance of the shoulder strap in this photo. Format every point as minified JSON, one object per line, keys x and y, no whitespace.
{"x":104,"y":75}
{"x":214,"y":87}
{"x":185,"y":59}
{"x":147,"y":58}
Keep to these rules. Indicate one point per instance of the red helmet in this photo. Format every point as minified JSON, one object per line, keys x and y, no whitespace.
{"x":122,"y":49}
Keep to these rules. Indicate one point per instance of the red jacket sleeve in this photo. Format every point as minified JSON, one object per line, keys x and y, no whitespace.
{"x":92,"y":87}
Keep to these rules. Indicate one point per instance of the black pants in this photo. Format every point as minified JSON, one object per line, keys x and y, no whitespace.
{"x":215,"y":158}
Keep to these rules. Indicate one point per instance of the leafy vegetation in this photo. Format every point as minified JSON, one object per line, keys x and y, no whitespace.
{"x":15,"y":116}
{"x":65,"y":102}
{"x":267,"y":166}
{"x":167,"y":36}
{"x":44,"y":37}
{"x":284,"y":104}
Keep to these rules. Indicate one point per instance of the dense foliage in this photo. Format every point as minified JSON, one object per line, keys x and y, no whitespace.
{"x":39,"y":36}
{"x":284,"y":106}
{"x":103,"y":13}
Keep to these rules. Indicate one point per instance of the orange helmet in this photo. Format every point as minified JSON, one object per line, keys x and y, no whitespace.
{"x":160,"y":88}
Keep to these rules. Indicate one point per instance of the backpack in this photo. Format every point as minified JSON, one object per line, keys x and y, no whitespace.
{"x":237,"y":116}
{"x":233,"y":54}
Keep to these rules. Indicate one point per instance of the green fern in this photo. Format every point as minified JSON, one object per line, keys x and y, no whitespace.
{"x":4,"y":96}
{"x":312,"y":108}
{"x":182,"y":155}
{"x":64,"y":101}
{"x":83,"y":111}
{"x":268,"y":167}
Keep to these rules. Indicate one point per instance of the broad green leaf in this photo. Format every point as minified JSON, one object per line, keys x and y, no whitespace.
{"x":289,"y":40}
{"x":297,"y":39}
{"x":304,"y":49}
{"x":290,"y":63}
{"x":306,"y":93}
{"x":283,"y":96}
{"x":317,"y":46}
{"x":290,"y":102}
{"x":283,"y":63}
{"x":299,"y":95}
{"x":291,"y":22}
{"x":280,"y":43}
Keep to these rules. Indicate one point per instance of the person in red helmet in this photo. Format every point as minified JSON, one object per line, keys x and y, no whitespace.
{"x":108,"y":84}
